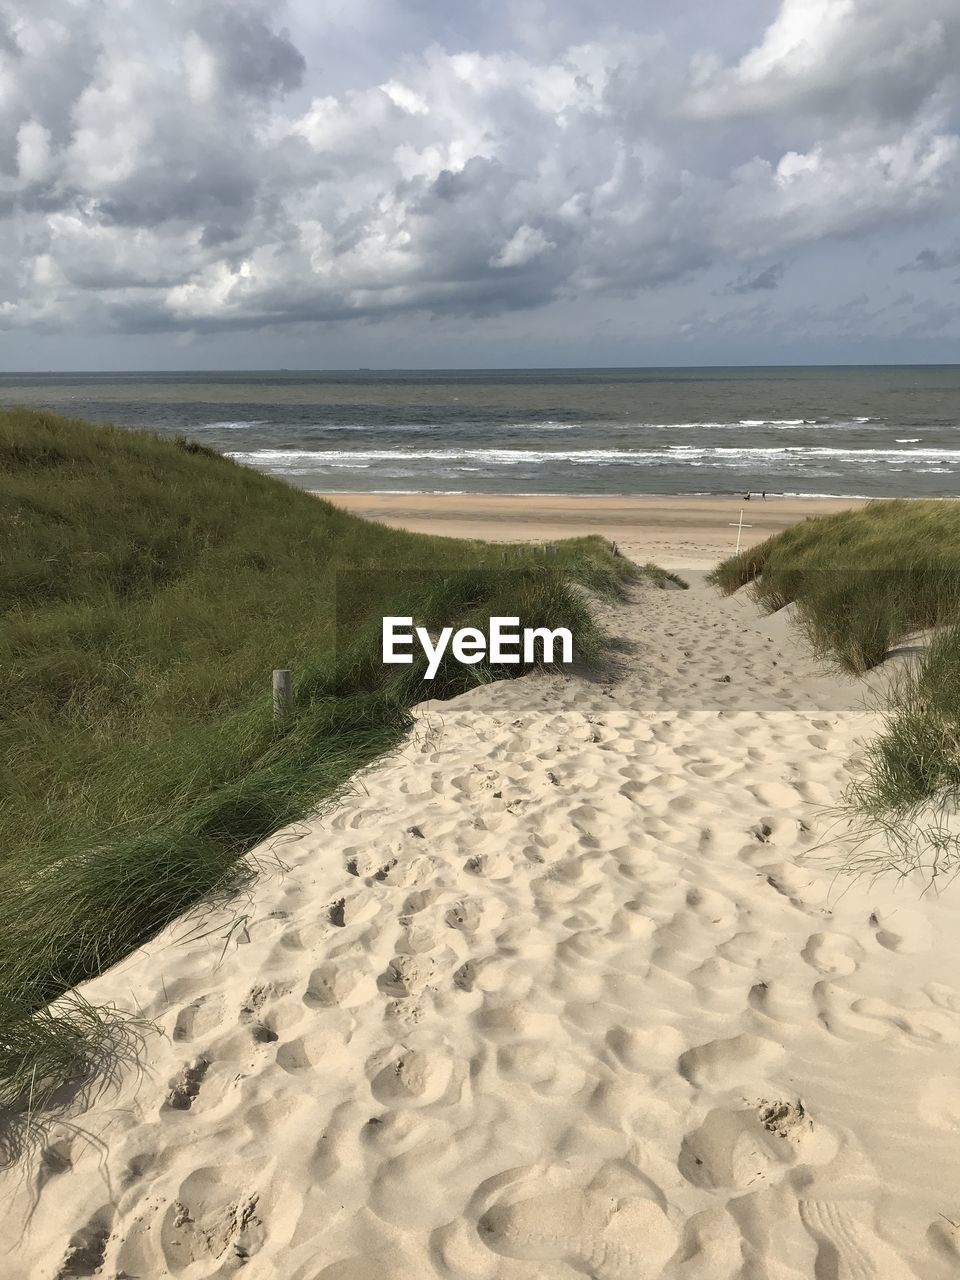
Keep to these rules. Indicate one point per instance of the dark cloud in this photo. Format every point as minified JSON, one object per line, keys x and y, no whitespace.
{"x":749,"y":282}
{"x":933,"y":260}
{"x":214,"y":235}
{"x":247,"y":55}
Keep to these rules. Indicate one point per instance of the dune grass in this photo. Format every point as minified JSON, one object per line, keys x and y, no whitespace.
{"x":663,"y":578}
{"x":918,"y":754}
{"x":903,"y":807}
{"x":862,"y":583}
{"x":147,"y":590}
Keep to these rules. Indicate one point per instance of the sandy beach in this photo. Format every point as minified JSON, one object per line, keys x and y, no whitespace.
{"x":695,"y":532}
{"x":566,"y":987}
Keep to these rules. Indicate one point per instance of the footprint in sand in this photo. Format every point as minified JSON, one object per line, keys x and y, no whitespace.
{"x":789,"y":881}
{"x":833,"y":954}
{"x":259,"y":995}
{"x":408,"y":975}
{"x":86,"y":1252}
{"x":836,"y":1013}
{"x":763,"y":831}
{"x":745,"y":948}
{"x":456,"y":1250}
{"x":346,"y":985}
{"x":944,"y":997}
{"x":515,"y":1021}
{"x":413,"y":1080}
{"x":465,"y":915}
{"x":944,"y":1236}
{"x":608,"y":1236}
{"x":544,"y":1067}
{"x":304,"y":1053}
{"x":646,"y":1048}
{"x":213,"y":1217}
{"x":492,"y":866}
{"x":904,"y":930}
{"x":727,"y":1064}
{"x":848,"y":1247}
{"x":931,"y":1025}
{"x":356,"y":909}
{"x":185,"y":1086}
{"x":198,"y":1018}
{"x":779,"y":1001}
{"x":731,"y":1148}
{"x":419,"y":900}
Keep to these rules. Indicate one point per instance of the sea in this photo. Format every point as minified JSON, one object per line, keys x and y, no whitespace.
{"x":877,"y":431}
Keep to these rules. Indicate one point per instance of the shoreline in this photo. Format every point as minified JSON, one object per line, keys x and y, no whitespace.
{"x":689,"y":532}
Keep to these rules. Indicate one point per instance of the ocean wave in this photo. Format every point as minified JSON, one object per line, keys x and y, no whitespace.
{"x":513,"y":457}
{"x":548,"y":425}
{"x":240,"y":425}
{"x":777,"y":424}
{"x":614,"y":493}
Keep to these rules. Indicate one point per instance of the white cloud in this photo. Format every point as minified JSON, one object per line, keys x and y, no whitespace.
{"x":839,"y":58}
{"x":524,"y":245}
{"x":190,"y":166}
{"x":33,"y":151}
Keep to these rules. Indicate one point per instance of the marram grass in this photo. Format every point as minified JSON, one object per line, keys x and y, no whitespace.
{"x":147,"y":590}
{"x":863,"y":582}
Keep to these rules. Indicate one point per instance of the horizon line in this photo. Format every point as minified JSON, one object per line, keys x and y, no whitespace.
{"x":533,"y":368}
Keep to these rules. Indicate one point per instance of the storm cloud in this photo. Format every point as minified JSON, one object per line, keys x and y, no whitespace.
{"x":207,"y":166}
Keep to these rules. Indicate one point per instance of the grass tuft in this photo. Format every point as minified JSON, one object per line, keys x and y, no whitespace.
{"x":662,"y":577}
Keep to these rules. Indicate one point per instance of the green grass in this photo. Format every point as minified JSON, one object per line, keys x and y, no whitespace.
{"x":862,"y":583}
{"x":663,"y":578}
{"x":904,"y":802}
{"x":147,"y":590}
{"x":918,"y":754}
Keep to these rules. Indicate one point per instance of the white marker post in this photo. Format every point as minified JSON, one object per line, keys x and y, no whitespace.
{"x":740,"y":528}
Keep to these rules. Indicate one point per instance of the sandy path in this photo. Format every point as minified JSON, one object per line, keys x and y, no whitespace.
{"x":555,"y":994}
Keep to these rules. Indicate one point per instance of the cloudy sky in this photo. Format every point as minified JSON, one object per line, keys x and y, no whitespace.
{"x":420,"y":183}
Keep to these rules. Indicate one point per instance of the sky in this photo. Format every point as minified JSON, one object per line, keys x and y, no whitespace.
{"x":231,"y":184}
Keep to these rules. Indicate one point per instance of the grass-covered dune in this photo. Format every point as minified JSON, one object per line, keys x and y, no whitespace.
{"x":147,"y":590}
{"x":862,"y":582}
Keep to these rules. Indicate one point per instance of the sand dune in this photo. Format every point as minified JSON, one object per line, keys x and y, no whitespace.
{"x":563,"y":989}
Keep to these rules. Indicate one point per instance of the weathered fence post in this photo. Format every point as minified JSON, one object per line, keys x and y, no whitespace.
{"x":282,"y":695}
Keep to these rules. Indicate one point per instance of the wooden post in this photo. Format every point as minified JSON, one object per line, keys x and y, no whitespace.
{"x":740,"y":526}
{"x":282,"y":695}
